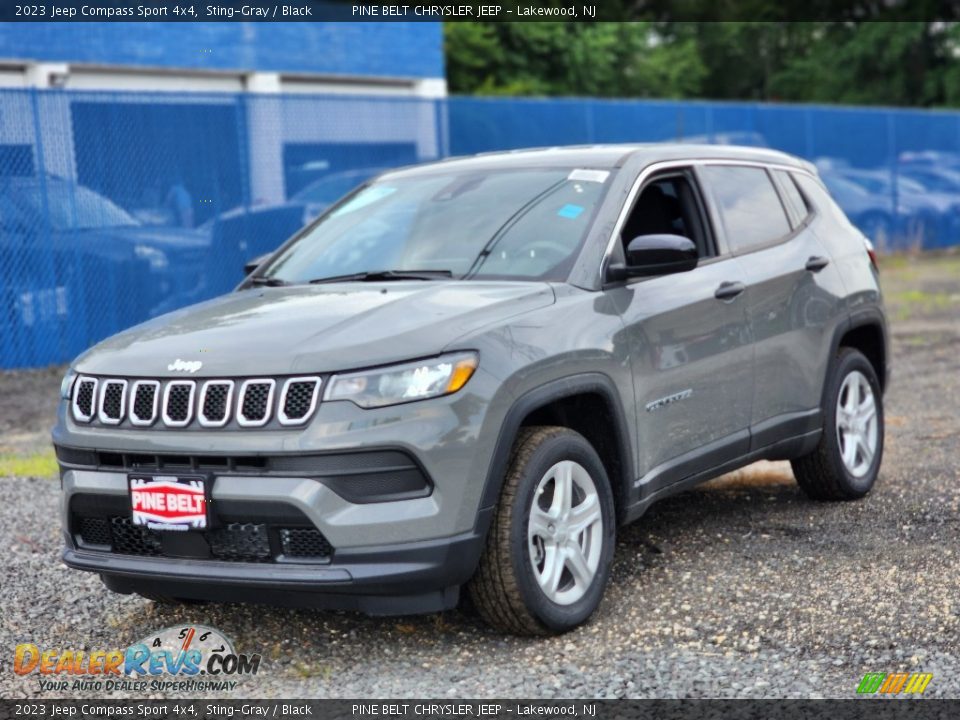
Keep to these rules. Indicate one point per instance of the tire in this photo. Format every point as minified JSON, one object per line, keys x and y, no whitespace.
{"x":506,"y":588}
{"x":825,"y":473}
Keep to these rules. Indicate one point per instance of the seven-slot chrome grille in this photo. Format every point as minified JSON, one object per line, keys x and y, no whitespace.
{"x":177,"y":403}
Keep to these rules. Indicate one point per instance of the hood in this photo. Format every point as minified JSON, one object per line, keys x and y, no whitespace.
{"x":313,"y":328}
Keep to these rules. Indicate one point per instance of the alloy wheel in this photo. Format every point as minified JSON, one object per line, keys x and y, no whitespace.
{"x":857,"y":427}
{"x":565,"y":532}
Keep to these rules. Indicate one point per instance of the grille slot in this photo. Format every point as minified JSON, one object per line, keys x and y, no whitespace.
{"x":130,"y":539}
{"x":85,"y":390}
{"x":304,"y":543}
{"x":178,"y":403}
{"x":113,"y":400}
{"x":298,"y":400}
{"x":240,"y":541}
{"x":95,"y":531}
{"x":215,"y":401}
{"x":143,"y":406}
{"x":256,"y":401}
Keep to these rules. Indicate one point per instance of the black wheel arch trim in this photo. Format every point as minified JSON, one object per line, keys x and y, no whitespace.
{"x":544,"y":395}
{"x":861,"y":317}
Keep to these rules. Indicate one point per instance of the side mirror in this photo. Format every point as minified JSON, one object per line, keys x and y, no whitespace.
{"x":649,"y":255}
{"x":252,"y":265}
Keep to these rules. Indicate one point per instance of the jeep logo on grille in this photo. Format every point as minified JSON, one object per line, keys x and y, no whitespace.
{"x":190,"y":366}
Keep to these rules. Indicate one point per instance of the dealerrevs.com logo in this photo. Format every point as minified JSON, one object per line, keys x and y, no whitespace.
{"x":177,"y":659}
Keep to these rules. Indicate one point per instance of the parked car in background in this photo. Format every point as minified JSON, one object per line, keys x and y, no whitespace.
{"x":930,"y":158}
{"x":893,"y":220}
{"x":923,"y":213}
{"x":71,"y":218}
{"x":872,"y":213}
{"x":247,"y":232}
{"x":938,"y":179}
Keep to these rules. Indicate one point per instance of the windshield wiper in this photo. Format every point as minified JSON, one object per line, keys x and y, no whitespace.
{"x":268,"y":281}
{"x":379,"y":275}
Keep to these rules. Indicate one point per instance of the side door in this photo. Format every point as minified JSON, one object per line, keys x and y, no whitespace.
{"x":792,"y":294}
{"x":690,"y":351}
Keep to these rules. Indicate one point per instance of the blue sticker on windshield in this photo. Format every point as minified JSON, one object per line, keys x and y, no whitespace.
{"x":570,"y":211}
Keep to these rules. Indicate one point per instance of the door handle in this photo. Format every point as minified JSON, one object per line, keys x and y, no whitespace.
{"x":729,"y":290}
{"x":816,"y":263}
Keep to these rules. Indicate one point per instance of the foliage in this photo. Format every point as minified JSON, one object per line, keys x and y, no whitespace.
{"x":903,"y":62}
{"x":39,"y":465}
{"x":601,"y":59}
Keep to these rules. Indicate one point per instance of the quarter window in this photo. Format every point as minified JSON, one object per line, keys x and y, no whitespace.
{"x":796,"y":204}
{"x":748,"y":204}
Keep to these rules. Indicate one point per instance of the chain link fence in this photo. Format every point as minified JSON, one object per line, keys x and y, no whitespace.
{"x":896,"y":173}
{"x":116,"y":207}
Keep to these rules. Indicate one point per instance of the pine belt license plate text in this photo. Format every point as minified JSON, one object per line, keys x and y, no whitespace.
{"x":169,"y":502}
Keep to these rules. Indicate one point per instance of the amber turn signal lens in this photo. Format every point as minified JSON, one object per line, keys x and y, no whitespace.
{"x":462,"y":372}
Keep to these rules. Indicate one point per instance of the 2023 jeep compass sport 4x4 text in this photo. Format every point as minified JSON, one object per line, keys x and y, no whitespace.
{"x":468,"y":374}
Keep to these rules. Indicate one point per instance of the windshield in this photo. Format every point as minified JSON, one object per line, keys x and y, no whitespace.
{"x":333,"y":187}
{"x":507,"y":224}
{"x":74,"y":207}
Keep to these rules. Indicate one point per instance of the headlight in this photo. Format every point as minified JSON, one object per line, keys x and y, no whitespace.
{"x":404,"y":383}
{"x":66,"y":385}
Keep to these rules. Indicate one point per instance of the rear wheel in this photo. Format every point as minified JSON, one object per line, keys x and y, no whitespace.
{"x":548,"y":553}
{"x":846,"y":462}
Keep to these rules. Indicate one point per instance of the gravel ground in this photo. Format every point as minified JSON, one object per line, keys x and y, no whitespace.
{"x":741,"y":588}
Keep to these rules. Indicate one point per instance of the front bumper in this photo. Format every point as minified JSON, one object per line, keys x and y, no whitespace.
{"x":223,"y":563}
{"x":386,"y":580}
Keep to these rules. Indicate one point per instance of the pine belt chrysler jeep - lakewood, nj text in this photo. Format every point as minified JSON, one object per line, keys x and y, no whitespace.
{"x":467,"y":374}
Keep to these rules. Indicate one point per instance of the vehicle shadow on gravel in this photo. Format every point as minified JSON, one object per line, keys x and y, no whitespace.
{"x":758,"y":502}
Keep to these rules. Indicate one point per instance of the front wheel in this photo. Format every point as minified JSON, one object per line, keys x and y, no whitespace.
{"x":550,"y":546}
{"x":846,"y":462}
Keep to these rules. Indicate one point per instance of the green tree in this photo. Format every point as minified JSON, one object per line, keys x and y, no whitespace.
{"x":600,"y":60}
{"x":869,"y":63}
{"x":900,"y":62}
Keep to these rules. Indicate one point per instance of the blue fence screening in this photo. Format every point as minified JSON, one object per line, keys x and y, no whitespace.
{"x":118,"y":207}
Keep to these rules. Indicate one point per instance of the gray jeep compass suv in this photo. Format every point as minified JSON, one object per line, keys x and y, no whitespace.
{"x":469,"y":373}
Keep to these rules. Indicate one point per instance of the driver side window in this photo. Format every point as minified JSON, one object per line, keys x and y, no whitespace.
{"x":669,"y":205}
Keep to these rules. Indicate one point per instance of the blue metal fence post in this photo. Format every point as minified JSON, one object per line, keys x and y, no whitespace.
{"x":39,"y":354}
{"x":892,"y":160}
{"x":441,"y":120}
{"x":808,"y":132}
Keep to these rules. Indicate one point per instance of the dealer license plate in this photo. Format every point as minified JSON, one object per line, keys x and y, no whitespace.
{"x":169,"y":502}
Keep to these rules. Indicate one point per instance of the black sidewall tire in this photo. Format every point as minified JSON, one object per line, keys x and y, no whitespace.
{"x":559,"y":618}
{"x":849,"y":362}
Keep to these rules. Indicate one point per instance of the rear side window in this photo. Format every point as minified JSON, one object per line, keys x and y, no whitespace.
{"x":749,"y":206}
